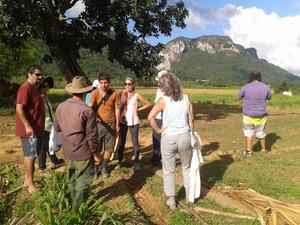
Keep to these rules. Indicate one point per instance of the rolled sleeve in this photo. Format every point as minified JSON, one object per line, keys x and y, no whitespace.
{"x":91,"y":131}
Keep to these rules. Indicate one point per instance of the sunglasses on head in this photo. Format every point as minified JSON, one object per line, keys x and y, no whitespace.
{"x":128,"y":84}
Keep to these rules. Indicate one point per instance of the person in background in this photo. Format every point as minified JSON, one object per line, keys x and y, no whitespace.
{"x":254,"y":95}
{"x":156,"y":155}
{"x":178,"y":121}
{"x":77,"y":122}
{"x":43,"y":87}
{"x":106,"y":103}
{"x":88,"y":95}
{"x":30,"y":121}
{"x":129,"y":119}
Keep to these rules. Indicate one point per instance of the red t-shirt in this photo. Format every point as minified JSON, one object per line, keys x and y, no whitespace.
{"x":34,"y":109}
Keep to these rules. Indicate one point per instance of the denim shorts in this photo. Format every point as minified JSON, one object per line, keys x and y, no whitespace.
{"x":27,"y":146}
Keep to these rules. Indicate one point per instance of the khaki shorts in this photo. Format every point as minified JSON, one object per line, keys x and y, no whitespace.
{"x":106,"y":136}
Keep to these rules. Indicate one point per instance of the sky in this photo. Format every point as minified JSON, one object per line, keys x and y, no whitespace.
{"x":270,"y":26}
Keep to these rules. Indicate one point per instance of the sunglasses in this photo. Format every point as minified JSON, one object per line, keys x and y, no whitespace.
{"x":38,"y":74}
{"x":128,"y":84}
{"x":44,"y":85}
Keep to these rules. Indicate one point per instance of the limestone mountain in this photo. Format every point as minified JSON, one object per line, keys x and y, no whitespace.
{"x":218,"y":59}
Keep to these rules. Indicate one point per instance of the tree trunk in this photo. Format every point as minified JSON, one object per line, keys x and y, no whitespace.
{"x":66,"y":62}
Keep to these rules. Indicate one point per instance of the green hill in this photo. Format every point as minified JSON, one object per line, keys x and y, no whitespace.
{"x":216,"y":59}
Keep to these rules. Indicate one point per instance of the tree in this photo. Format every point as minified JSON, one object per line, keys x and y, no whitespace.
{"x":120,"y":26}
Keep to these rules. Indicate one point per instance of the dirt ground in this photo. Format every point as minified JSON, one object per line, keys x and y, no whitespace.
{"x":10,"y":152}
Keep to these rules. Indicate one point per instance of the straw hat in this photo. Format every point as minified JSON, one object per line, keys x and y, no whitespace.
{"x":79,"y":85}
{"x":160,"y":74}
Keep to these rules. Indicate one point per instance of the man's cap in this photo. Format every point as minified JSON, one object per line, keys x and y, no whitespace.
{"x":160,"y":74}
{"x":79,"y":85}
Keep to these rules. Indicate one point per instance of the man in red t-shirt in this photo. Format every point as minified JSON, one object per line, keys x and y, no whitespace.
{"x":30,"y":121}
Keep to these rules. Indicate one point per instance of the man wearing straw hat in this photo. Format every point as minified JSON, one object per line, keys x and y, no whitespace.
{"x":77,"y":122}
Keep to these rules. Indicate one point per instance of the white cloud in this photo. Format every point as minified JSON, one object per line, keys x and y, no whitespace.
{"x":75,"y":11}
{"x":194,"y":21}
{"x":277,"y":39}
{"x":200,"y":17}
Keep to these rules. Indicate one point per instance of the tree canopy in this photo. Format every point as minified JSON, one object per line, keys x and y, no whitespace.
{"x":118,"y":26}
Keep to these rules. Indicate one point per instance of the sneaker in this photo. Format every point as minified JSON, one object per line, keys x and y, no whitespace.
{"x":137,"y":165}
{"x":171,"y":203}
{"x":264,"y":150}
{"x":104,"y":173}
{"x":247,"y":153}
{"x":118,"y":166}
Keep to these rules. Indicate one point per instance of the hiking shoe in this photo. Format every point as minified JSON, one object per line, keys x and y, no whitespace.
{"x":105,"y":173}
{"x":247,"y":153}
{"x":171,"y":203}
{"x":137,"y":166}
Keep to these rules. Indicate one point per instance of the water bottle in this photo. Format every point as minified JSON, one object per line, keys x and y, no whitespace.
{"x":33,"y":144}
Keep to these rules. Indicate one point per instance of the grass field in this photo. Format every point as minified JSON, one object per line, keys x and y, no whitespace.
{"x":218,"y":120}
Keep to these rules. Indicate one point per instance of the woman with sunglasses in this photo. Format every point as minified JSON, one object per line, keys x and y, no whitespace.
{"x":130,"y":120}
{"x":43,"y":88}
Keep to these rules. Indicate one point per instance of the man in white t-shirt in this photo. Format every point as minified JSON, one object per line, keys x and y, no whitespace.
{"x":156,"y":156}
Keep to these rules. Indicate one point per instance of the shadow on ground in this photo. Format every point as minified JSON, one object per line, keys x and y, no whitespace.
{"x":206,"y":111}
{"x":271,"y":139}
{"x":214,"y":171}
{"x":210,"y":148}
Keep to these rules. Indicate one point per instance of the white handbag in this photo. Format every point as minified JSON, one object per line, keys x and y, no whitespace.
{"x":54,"y":141}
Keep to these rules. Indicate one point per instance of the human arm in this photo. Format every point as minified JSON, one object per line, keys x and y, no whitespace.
{"x":117,"y":112}
{"x":241,"y":94}
{"x":145,"y":102}
{"x":91,"y":134}
{"x":269,"y":95}
{"x":157,"y":108}
{"x":21,"y":114}
{"x":191,"y":116}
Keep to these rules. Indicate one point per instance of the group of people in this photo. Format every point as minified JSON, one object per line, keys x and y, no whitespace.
{"x":96,"y":117}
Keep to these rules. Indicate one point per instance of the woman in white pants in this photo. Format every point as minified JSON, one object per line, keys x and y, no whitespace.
{"x":178,"y":120}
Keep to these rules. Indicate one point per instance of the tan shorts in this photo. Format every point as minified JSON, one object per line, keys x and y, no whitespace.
{"x":106,"y":136}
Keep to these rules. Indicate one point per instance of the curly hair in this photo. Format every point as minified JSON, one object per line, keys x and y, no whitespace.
{"x":170,"y":86}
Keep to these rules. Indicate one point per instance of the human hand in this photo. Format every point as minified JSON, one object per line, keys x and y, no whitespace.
{"x":97,"y":159}
{"x":29,"y":131}
{"x":117,"y":128}
{"x":161,"y":130}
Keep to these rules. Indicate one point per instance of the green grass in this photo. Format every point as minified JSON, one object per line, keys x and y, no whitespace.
{"x":274,"y":174}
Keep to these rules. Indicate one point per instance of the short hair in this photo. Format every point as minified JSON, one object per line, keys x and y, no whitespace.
{"x":104,"y":76}
{"x":254,"y":75}
{"x":170,"y":86}
{"x":33,"y":67}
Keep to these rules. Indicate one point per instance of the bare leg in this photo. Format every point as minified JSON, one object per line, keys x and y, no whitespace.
{"x":29,"y":170}
{"x":263,"y":143}
{"x":249,"y":143}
